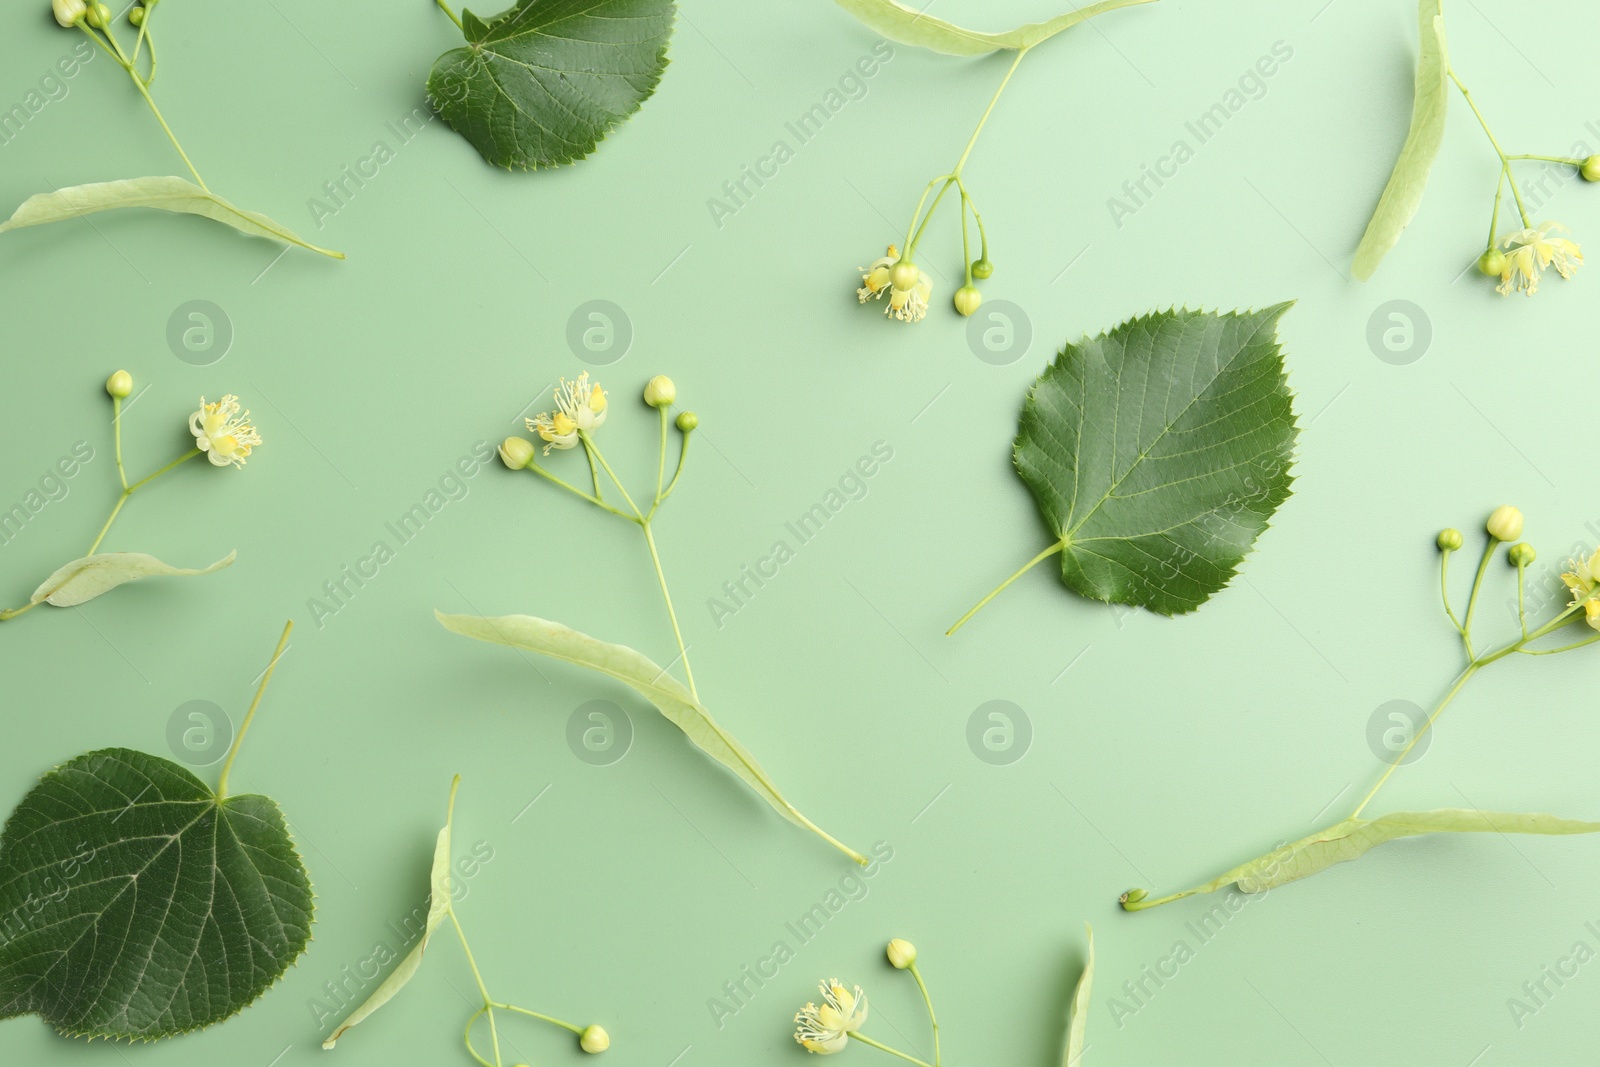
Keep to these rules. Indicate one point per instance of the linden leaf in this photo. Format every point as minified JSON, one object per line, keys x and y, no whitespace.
{"x":84,"y":579}
{"x":905,"y":25}
{"x":165,"y":194}
{"x":1352,"y":838}
{"x":1079,"y":1015}
{"x":1157,"y":453}
{"x":134,"y":903}
{"x":650,"y":681}
{"x":541,"y":84}
{"x":1403,"y":192}
{"x":438,"y":908}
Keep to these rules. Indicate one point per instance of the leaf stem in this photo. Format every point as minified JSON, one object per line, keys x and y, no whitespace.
{"x":446,"y":9}
{"x":1461,"y":680}
{"x":1024,"y":569}
{"x":249,"y":716}
{"x":865,"y":1040}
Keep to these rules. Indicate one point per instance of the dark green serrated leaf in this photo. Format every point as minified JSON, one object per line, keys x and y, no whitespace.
{"x":1158,"y":452}
{"x":135,"y":904}
{"x":541,"y":84}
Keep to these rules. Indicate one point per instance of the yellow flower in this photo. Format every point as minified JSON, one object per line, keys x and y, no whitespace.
{"x":223,"y":432}
{"x":1581,"y":580}
{"x":826,"y":1029}
{"x":580,"y":406}
{"x":875,"y":279}
{"x":1532,"y":251}
{"x":909,"y":305}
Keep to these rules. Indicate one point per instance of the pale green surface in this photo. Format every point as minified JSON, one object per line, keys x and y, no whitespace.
{"x":628,"y":894}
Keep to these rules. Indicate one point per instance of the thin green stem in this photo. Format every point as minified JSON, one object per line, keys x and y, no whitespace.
{"x":446,"y":9}
{"x":928,"y":1000}
{"x":997,"y":590}
{"x":1494,"y":216}
{"x":1472,"y":599}
{"x":1141,"y":905}
{"x":589,"y":445}
{"x":575,"y":491}
{"x":249,"y":716}
{"x":466,"y":1037}
{"x":661,"y":459}
{"x":147,"y":479}
{"x":1461,"y":680}
{"x":973,"y":140}
{"x":916,"y":238}
{"x":1444,"y":588}
{"x":1522,"y":611}
{"x":966,"y":248}
{"x":544,"y":1018}
{"x":1504,"y":159}
{"x":116,"y":434}
{"x":983,"y":238}
{"x":115,"y":511}
{"x":1552,"y":159}
{"x":1563,"y":648}
{"x":683,"y":454}
{"x":865,"y":1040}
{"x":666,"y":595}
{"x":483,"y":990}
{"x":911,"y":230}
{"x":594,"y":473}
{"x":144,"y":91}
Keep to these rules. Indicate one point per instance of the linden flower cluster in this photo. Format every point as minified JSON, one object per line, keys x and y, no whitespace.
{"x":222,"y":433}
{"x":1528,"y":253}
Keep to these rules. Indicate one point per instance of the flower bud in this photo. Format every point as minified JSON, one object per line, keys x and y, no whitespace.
{"x":99,"y":16}
{"x":1522,"y":554}
{"x":136,"y":16}
{"x":659,"y":392}
{"x":68,"y":12}
{"x":1133,"y":896}
{"x":967,"y":299}
{"x":902,"y":954}
{"x":687,"y":421}
{"x":1590,"y":169}
{"x":120,"y":384}
{"x":594,"y":1039}
{"x":904,"y":275}
{"x":982,"y":268}
{"x":1450,"y":540}
{"x":1505,"y":523}
{"x":516,"y":452}
{"x":1492,"y":263}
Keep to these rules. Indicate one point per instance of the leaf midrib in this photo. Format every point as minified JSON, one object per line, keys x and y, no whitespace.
{"x":1066,"y":537}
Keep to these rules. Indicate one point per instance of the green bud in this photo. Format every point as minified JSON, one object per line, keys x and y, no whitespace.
{"x":136,"y":16}
{"x":982,"y":268}
{"x":516,"y":452}
{"x":687,"y":421}
{"x":1522,"y":554}
{"x":1505,"y":523}
{"x":1492,"y":262}
{"x":120,"y":384}
{"x":1450,"y":540}
{"x":99,"y":16}
{"x":594,"y":1039}
{"x":660,"y":392}
{"x":967,"y":299}
{"x":904,"y":275}
{"x":1133,"y":896}
{"x":901,"y":953}
{"x":1590,"y":169}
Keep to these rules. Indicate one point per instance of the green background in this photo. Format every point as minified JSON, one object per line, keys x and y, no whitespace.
{"x":1161,"y":751}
